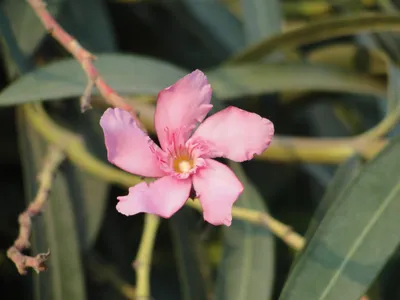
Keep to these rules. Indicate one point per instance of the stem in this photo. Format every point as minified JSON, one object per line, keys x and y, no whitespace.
{"x":142,"y":263}
{"x":52,"y":161}
{"x":281,"y":230}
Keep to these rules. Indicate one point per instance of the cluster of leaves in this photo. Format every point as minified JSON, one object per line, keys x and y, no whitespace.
{"x":308,"y":65}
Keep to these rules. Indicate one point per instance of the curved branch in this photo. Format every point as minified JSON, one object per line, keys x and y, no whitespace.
{"x":77,"y":153}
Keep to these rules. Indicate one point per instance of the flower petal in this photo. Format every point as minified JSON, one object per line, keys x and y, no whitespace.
{"x":235,"y":134}
{"x":182,"y":106}
{"x":128,"y":147}
{"x":217,"y":188}
{"x":162,"y":197}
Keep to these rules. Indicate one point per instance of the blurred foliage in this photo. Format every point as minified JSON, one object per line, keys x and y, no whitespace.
{"x":324,"y":70}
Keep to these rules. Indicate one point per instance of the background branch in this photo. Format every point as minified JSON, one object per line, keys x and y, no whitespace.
{"x":52,"y":161}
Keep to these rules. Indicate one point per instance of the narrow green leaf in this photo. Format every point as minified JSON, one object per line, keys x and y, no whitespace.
{"x":13,"y":57}
{"x":255,"y":78}
{"x":190,"y":255}
{"x":27,"y":29}
{"x":261,"y":19}
{"x":55,"y":229}
{"x":89,"y":22}
{"x":318,"y":31}
{"x":65,"y":78}
{"x":246,"y":269}
{"x":219,"y":22}
{"x":343,"y":176}
{"x":356,"y":237}
{"x":393,"y":90}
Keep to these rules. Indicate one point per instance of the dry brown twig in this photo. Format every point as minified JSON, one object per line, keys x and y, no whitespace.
{"x":85,"y":59}
{"x":52,"y":161}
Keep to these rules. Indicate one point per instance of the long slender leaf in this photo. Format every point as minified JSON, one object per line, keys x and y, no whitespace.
{"x":252,"y":79}
{"x":193,"y":271}
{"x":26,"y":28}
{"x":66,"y":79}
{"x":342,"y":178}
{"x":246,"y":270}
{"x":261,"y":19}
{"x":317,"y":31}
{"x":219,"y":22}
{"x":355,"y":238}
{"x":394,"y":83}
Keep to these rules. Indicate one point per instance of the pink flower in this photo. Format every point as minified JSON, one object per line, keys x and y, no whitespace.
{"x":185,"y":155}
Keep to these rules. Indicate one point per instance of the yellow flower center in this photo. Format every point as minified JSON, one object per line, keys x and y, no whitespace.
{"x":183,"y":164}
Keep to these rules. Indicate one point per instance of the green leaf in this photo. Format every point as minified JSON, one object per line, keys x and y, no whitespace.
{"x":355,"y":238}
{"x":219,"y":22}
{"x":26,"y":27}
{"x":56,"y":228}
{"x":127,"y":74}
{"x":190,"y":254}
{"x":15,"y":61}
{"x":393,"y":90}
{"x":258,"y":78}
{"x":318,"y":31}
{"x":343,"y":176}
{"x":95,"y":35}
{"x":261,"y":19}
{"x":65,"y":78}
{"x":247,"y":267}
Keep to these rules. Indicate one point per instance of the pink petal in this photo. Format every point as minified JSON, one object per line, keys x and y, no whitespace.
{"x":182,"y":106}
{"x":162,"y":197}
{"x":235,"y":134}
{"x":217,"y":188}
{"x":128,"y":147}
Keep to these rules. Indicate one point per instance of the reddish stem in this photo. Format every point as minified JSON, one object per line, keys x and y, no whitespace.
{"x":85,"y":58}
{"x":22,"y":262}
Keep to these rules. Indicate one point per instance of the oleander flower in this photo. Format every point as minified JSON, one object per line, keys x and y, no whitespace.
{"x":185,"y":155}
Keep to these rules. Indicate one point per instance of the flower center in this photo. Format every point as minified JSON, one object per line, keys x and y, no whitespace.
{"x":183,"y":164}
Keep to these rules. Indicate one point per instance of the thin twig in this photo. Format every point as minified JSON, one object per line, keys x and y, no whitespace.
{"x":52,"y":161}
{"x":142,"y":263}
{"x":281,"y":230}
{"x":85,"y":58}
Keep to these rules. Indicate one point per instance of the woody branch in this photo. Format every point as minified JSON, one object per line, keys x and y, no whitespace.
{"x":85,"y":58}
{"x":54,"y":158}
